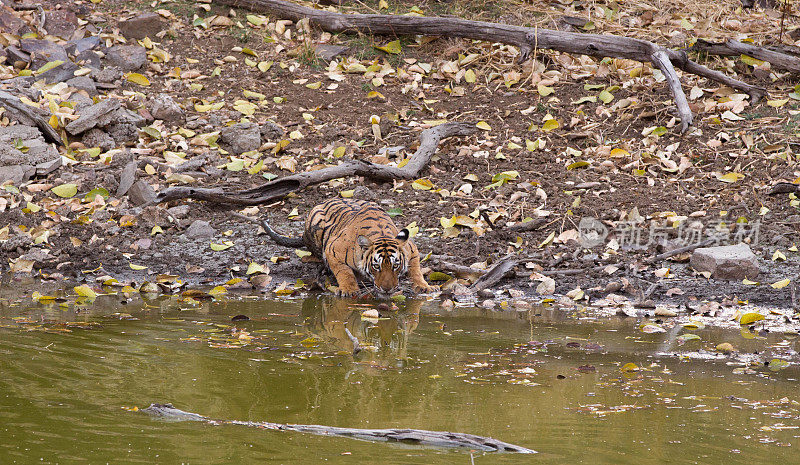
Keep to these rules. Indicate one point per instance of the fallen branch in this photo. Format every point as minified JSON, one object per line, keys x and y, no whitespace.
{"x":736,"y":48}
{"x":527,"y":39}
{"x":277,"y":188}
{"x":496,"y":273}
{"x":406,"y":436}
{"x":679,"y":250}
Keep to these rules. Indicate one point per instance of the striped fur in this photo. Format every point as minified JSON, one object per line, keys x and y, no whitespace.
{"x":356,"y":238}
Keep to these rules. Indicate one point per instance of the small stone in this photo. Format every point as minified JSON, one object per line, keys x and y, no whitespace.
{"x":271,"y":130}
{"x":141,"y":193}
{"x":43,"y":52}
{"x":98,"y":138}
{"x":17,"y":174}
{"x":126,"y":178}
{"x":486,"y":293}
{"x":107,"y":75}
{"x":730,"y":262}
{"x":200,"y":229}
{"x":448,"y":304}
{"x":96,"y":115}
{"x":165,"y":108}
{"x":179,"y":211}
{"x":141,"y":26}
{"x":260,"y":281}
{"x":84,"y":83}
{"x":127,"y":57}
{"x":240,"y":138}
{"x":327,"y":52}
{"x":522,"y":305}
{"x":48,"y":167}
{"x":123,"y":133}
{"x":488,"y":303}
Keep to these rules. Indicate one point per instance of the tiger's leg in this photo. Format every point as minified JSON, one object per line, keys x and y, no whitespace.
{"x":345,"y":279}
{"x":415,"y":272}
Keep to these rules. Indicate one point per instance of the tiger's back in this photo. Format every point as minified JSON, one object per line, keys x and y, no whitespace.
{"x":358,"y":238}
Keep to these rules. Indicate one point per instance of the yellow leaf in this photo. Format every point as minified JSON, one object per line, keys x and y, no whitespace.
{"x":619,"y":153}
{"x":256,"y":168}
{"x":469,"y":76}
{"x":254,"y":267}
{"x":65,"y":190}
{"x":137,"y":78}
{"x":730,"y":177}
{"x":49,"y":65}
{"x":383,"y":5}
{"x":550,"y":124}
{"x":484,"y":125}
{"x":264,"y":66}
{"x":392,"y":47}
{"x":137,"y":267}
{"x":777,"y":103}
{"x":548,"y":239}
{"x":220,"y":247}
{"x":577,"y":164}
{"x":422,"y":185}
{"x":85,"y":291}
{"x":778,"y":255}
{"x":747,"y":282}
{"x":781,"y":284}
{"x":629,"y":367}
{"x":605,"y":96}
{"x":314,"y":85}
{"x":302,"y":253}
{"x":447,"y":222}
{"x":347,"y":194}
{"x":218,"y":290}
{"x":544,"y":91}
{"x":749,"y":318}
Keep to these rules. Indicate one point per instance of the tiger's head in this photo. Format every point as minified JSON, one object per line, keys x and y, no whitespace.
{"x":384,"y":259}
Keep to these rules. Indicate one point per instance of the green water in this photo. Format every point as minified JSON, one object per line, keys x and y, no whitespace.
{"x":69,"y":376}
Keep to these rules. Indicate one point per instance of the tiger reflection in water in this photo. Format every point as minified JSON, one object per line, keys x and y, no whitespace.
{"x":330,"y":319}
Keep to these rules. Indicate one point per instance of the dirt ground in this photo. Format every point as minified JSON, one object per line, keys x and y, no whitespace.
{"x":602,"y":161}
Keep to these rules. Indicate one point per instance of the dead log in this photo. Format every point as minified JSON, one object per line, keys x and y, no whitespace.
{"x":277,"y":188}
{"x":406,"y":436}
{"x":527,"y":39}
{"x":736,"y":48}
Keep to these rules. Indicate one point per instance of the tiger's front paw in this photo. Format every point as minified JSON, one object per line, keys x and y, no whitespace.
{"x":424,"y":288}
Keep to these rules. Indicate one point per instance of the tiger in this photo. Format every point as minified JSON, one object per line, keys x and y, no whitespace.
{"x":357,"y":239}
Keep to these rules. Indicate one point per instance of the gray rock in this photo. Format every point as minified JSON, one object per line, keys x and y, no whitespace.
{"x":200,"y":229}
{"x":42,"y":52}
{"x":179,"y":211}
{"x":733,"y":262}
{"x":141,"y":192}
{"x":83,"y":83}
{"x":35,"y":149}
{"x":96,"y":115}
{"x":271,"y":131}
{"x":328,"y":52}
{"x":61,"y":23}
{"x":17,"y":174}
{"x":89,"y":58}
{"x":141,"y":26}
{"x":240,"y":138}
{"x":48,"y":167}
{"x":98,"y":138}
{"x":14,"y":54}
{"x":126,"y":178}
{"x":127,"y":57}
{"x":78,"y":46}
{"x":107,"y":75}
{"x":12,"y":25}
{"x":165,"y":108}
{"x":63,"y":72}
{"x":123,"y":133}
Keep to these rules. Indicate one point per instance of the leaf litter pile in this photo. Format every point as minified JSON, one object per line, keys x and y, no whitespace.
{"x":177,"y":93}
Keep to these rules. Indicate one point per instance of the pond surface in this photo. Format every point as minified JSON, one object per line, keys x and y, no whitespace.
{"x":543,"y":379}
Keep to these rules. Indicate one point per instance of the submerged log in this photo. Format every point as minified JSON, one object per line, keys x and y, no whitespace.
{"x":406,"y":436}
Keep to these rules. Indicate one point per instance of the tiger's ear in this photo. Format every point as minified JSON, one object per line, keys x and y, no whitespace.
{"x":403,"y":235}
{"x":363,"y":241}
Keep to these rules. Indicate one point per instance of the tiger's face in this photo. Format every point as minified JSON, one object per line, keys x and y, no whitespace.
{"x":384,"y":260}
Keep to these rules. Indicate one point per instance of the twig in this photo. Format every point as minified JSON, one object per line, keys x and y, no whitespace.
{"x":679,"y":250}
